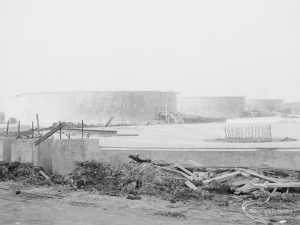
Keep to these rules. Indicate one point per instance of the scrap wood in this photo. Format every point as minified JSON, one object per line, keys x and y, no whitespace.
{"x":50,"y":133}
{"x":223,"y":177}
{"x":191,"y":185}
{"x":91,"y":130}
{"x":253,"y":173}
{"x":109,"y":121}
{"x":176,"y":171}
{"x":247,"y":187}
{"x":277,"y":185}
{"x":239,"y":183}
{"x":139,"y":158}
{"x":184,"y":169}
{"x":44,"y":175}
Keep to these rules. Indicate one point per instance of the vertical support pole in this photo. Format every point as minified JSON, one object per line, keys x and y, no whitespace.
{"x":19,"y":129}
{"x":32,"y":128}
{"x":82,"y":129}
{"x":37,"y":123}
{"x":7,"y":128}
{"x":59,"y":129}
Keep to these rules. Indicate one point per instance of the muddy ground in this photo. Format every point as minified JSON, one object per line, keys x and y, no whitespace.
{"x":84,"y":208}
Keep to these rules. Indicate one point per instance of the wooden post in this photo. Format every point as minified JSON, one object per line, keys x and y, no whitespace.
{"x":7,"y":128}
{"x":19,"y":129}
{"x":32,"y":129}
{"x":82,"y":129}
{"x":60,"y":130}
{"x":37,"y":123}
{"x":109,"y":121}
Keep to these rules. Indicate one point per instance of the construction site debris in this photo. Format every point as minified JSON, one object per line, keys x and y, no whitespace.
{"x":278,"y":185}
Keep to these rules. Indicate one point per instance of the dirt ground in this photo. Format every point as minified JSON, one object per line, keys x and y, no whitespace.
{"x":88,"y":208}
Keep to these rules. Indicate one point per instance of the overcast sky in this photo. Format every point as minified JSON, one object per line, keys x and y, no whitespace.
{"x":196,"y":47}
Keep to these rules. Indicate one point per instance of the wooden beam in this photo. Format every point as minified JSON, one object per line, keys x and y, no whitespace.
{"x":50,"y":133}
{"x":223,"y":177}
{"x":191,"y":185}
{"x":109,"y":121}
{"x":278,"y":185}
{"x":253,"y":173}
{"x":184,"y":169}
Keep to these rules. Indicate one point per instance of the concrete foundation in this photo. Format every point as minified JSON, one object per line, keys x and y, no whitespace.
{"x":60,"y":156}
{"x":57,"y":156}
{"x":283,"y":158}
{"x":5,"y":149}
{"x":66,"y":153}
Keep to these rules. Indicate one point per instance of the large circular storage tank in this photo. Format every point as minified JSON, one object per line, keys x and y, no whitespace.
{"x":264,"y":105}
{"x":212,"y":107}
{"x":94,"y":107}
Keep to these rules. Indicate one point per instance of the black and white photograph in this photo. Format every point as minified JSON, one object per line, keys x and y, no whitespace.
{"x":161,"y":112}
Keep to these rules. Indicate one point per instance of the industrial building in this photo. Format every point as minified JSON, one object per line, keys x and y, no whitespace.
{"x":95,"y":107}
{"x":212,"y":107}
{"x":264,"y":105}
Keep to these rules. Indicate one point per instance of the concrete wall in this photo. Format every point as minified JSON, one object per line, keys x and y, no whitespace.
{"x":57,"y":156}
{"x":5,"y":149}
{"x":212,"y":107}
{"x":285,"y":159}
{"x":264,"y":105}
{"x":65,"y":154}
{"x":94,"y":107}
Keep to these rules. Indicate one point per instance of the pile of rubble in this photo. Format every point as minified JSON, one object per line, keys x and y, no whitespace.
{"x":23,"y":172}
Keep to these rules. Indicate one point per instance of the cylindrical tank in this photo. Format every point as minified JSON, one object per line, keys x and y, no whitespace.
{"x":212,"y":107}
{"x":264,"y":105}
{"x":295,"y":108}
{"x":95,"y":107}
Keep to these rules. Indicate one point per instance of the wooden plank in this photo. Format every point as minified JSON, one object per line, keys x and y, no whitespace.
{"x":191,"y":185}
{"x":109,"y":121}
{"x":50,"y":133}
{"x":223,"y":177}
{"x":175,"y":171}
{"x":253,"y":173}
{"x":278,"y":185}
{"x":38,"y":123}
{"x":247,"y":187}
{"x":184,"y":169}
{"x":91,"y":130}
{"x":44,"y":175}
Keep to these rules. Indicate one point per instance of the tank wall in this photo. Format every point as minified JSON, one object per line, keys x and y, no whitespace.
{"x":212,"y":107}
{"x":95,"y":107}
{"x":264,"y":105}
{"x":295,"y":108}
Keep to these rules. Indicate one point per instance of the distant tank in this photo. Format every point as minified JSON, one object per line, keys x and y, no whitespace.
{"x":2,"y":117}
{"x":212,"y":107}
{"x":264,"y":105}
{"x":94,"y":107}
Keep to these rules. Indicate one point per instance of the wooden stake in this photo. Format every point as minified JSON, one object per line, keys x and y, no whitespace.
{"x":19,"y":129}
{"x":7,"y":128}
{"x":37,"y":123}
{"x":32,"y":129}
{"x":60,"y":130}
{"x":82,"y":129}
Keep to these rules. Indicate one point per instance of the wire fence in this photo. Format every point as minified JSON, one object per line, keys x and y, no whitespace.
{"x":249,"y":133}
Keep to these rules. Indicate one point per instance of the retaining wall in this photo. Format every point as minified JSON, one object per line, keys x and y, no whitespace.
{"x":57,"y":156}
{"x":283,"y":158}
